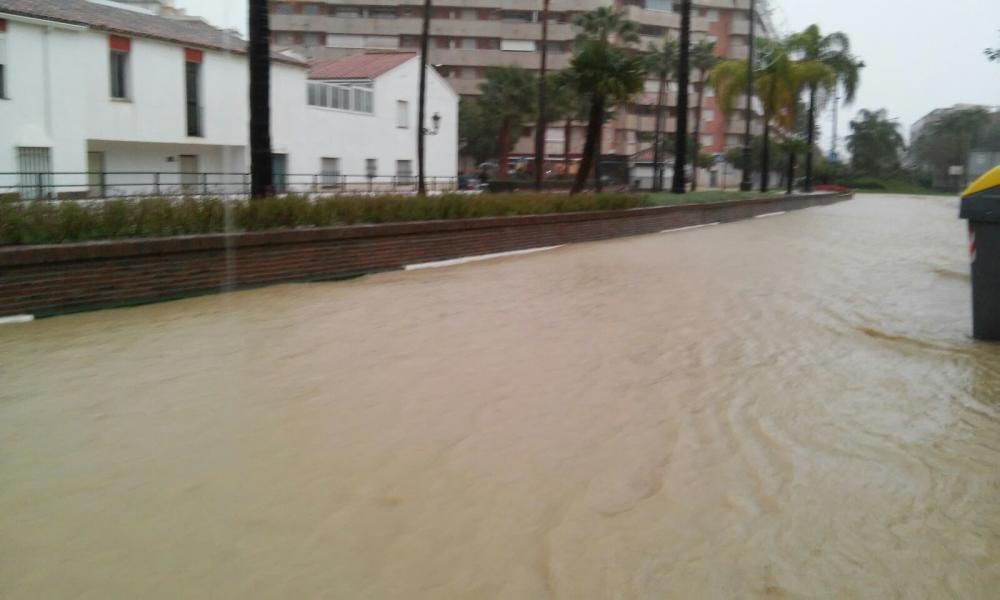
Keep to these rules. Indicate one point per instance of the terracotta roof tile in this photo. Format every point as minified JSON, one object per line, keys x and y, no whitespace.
{"x":358,"y":66}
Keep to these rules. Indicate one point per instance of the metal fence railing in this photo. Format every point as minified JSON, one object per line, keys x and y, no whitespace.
{"x":122,"y":184}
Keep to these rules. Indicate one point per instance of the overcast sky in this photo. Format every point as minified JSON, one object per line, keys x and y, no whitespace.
{"x":920,"y":54}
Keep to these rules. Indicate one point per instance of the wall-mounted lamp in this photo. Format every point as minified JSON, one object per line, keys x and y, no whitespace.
{"x":436,"y":121}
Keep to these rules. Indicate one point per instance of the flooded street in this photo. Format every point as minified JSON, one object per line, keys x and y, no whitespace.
{"x":787,"y":407}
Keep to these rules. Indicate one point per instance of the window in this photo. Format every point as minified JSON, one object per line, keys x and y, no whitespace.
{"x":310,"y":9}
{"x":663,"y":5}
{"x":468,"y":44}
{"x":382,"y":12}
{"x":284,"y":38}
{"x":713,"y":15}
{"x":339,"y":40}
{"x":358,"y":97}
{"x":383,"y":42}
{"x":402,"y":114}
{"x":708,"y":115}
{"x":352,"y":12}
{"x":283,"y":8}
{"x":707,"y":140}
{"x":517,"y":16}
{"x":192,"y":85}
{"x":517,"y":45}
{"x":404,"y":171}
{"x":329,"y":171}
{"x":470,"y":14}
{"x":313,"y":39}
{"x":120,"y":48}
{"x":371,"y":167}
{"x":34,"y":172}
{"x":469,"y":73}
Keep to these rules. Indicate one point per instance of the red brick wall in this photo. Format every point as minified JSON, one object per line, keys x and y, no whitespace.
{"x":44,"y":280}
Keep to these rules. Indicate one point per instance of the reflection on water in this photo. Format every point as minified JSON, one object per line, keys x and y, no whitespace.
{"x":787,"y":407}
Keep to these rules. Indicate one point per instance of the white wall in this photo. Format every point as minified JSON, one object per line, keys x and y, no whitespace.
{"x":59,"y":89}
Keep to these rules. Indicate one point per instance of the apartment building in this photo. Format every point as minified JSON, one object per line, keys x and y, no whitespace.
{"x":469,"y":36}
{"x":99,"y":99}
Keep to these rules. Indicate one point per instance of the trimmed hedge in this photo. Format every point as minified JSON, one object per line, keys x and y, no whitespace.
{"x":46,"y":222}
{"x":514,"y":185}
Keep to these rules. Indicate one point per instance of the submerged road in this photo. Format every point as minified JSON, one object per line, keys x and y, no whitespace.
{"x":787,"y":407}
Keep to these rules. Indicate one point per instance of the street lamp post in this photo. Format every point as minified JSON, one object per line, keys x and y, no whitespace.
{"x":746,"y":184}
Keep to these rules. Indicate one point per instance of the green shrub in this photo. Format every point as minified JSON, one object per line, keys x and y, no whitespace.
{"x":514,"y":185}
{"x":44,"y":222}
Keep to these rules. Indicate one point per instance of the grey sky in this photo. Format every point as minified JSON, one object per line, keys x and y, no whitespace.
{"x":920,"y":54}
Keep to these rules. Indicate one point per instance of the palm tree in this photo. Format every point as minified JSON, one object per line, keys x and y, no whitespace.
{"x":704,"y":59}
{"x":777,"y":83}
{"x":834,"y":51}
{"x":542,"y":124}
{"x":792,"y":145}
{"x":609,"y":76}
{"x":422,"y":99}
{"x":261,"y":167}
{"x":599,"y":29}
{"x":875,"y":143}
{"x":508,"y":97}
{"x":661,"y":61}
{"x":606,"y":24}
{"x":948,"y":141}
{"x":683,"y":73}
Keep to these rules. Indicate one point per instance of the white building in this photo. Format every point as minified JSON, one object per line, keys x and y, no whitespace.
{"x":102,"y":100}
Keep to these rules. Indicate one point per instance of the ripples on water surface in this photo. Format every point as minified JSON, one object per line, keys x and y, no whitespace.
{"x":787,"y":407}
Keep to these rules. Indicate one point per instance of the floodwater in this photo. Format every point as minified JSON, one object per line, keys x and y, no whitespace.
{"x":787,"y":407}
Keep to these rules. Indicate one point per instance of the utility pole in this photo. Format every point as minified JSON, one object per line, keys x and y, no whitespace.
{"x":542,"y":124}
{"x":683,"y":81}
{"x":421,"y":111}
{"x":746,"y":184}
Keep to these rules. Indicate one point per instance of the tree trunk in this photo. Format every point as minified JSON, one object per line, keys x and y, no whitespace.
{"x":791,"y":174}
{"x":765,"y":158}
{"x":594,"y":124}
{"x":503,"y":163}
{"x":567,"y":146}
{"x":697,"y":135}
{"x":598,"y":184}
{"x":422,"y":100}
{"x":683,"y":79}
{"x":542,"y":122}
{"x":810,"y":139}
{"x":261,"y":166}
{"x":657,"y":151}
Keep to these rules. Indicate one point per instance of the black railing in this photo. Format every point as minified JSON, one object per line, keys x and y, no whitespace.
{"x":85,"y":185}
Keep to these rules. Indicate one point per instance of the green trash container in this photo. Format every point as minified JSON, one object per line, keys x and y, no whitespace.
{"x":981,"y":206}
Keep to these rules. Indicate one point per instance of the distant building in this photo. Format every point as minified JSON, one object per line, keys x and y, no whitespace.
{"x":936,"y":115}
{"x":102,"y":100}
{"x":470,"y":36}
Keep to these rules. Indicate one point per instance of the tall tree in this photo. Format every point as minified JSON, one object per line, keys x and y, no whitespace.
{"x":542,"y":124}
{"x":422,"y":100}
{"x":261,"y":167}
{"x":704,"y":59}
{"x":609,"y":76}
{"x":875,"y":143}
{"x":948,"y":141}
{"x":777,"y":81}
{"x":660,"y":61}
{"x":605,"y":25}
{"x":683,"y":77}
{"x":508,"y":96}
{"x":833,"y":50}
{"x":477,"y":133}
{"x":792,"y":146}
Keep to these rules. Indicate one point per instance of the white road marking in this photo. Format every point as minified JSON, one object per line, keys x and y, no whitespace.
{"x":689,"y":228}
{"x":461,"y":261}
{"x":16,"y":319}
{"x":774,"y":214}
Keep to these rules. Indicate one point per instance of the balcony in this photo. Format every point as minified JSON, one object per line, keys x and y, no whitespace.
{"x":413,"y":26}
{"x":496,"y":58}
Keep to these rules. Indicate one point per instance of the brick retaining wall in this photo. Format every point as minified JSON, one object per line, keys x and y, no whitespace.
{"x":45,"y":280}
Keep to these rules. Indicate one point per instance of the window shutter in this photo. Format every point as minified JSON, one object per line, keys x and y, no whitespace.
{"x":119,"y":43}
{"x":193,"y":56}
{"x":3,"y":25}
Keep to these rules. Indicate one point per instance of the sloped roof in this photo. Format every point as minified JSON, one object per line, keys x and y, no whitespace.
{"x":358,"y":66}
{"x":189,"y":32}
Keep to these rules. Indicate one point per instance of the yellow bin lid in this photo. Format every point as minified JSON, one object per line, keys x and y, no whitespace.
{"x":988,"y":181}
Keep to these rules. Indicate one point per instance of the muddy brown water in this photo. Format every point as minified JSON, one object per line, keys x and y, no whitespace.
{"x":785,"y":407}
